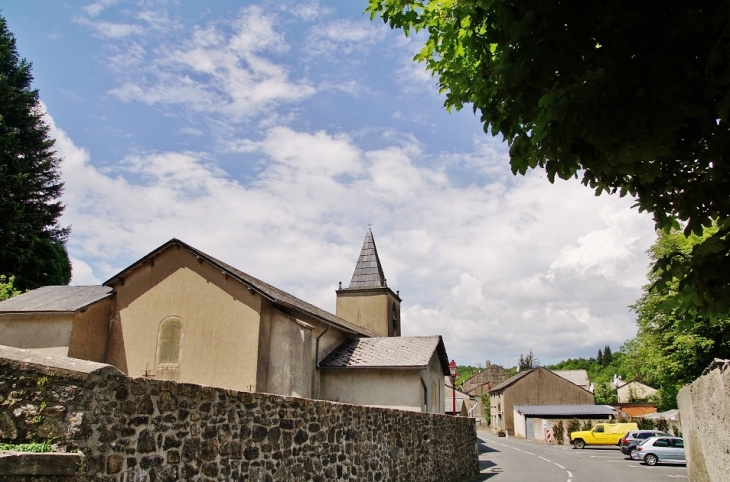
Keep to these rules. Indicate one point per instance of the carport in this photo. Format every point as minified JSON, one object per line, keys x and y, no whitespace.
{"x":532,"y":421}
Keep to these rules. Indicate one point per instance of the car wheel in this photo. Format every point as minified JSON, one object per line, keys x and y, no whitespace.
{"x":634,"y":454}
{"x":579,"y":444}
{"x":651,"y":459}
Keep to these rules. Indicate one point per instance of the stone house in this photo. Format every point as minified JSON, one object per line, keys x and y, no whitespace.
{"x":467,"y":405}
{"x":485,"y":380}
{"x":180,"y":314}
{"x":538,"y":386}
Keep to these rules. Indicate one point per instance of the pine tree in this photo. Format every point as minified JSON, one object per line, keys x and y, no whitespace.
{"x":599,"y":358}
{"x":32,"y":244}
{"x":607,"y":356}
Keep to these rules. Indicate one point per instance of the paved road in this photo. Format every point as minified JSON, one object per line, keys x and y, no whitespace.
{"x":518,"y":460}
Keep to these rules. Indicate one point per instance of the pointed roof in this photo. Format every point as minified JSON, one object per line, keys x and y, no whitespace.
{"x":368,"y":271}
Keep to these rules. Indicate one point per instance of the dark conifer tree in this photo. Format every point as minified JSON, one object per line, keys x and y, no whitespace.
{"x":607,"y":356}
{"x":599,"y":358}
{"x":32,"y":244}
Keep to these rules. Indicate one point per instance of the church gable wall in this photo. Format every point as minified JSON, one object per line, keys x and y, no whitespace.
{"x":181,"y":318}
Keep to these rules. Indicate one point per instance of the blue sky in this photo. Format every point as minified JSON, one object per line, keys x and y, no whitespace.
{"x":270,"y":134}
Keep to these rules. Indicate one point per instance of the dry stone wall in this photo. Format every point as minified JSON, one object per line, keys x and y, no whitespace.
{"x":150,"y":430}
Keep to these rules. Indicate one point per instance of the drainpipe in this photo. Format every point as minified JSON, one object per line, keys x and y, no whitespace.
{"x":316,"y":350}
{"x":425,"y":394}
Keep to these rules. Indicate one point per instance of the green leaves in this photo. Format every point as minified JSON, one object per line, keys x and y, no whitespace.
{"x":635,"y":101}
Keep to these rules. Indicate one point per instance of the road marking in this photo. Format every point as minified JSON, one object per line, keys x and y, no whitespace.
{"x":569,"y":474}
{"x":546,"y":460}
{"x":528,"y":453}
{"x":559,"y":465}
{"x":515,"y":448}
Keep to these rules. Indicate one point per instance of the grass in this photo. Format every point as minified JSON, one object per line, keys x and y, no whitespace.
{"x":29,"y":447}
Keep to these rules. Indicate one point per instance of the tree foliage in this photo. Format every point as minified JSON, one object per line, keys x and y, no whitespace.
{"x":7,"y":287}
{"x":633,"y":97}
{"x":528,"y":362}
{"x":673,"y":345}
{"x":32,"y":244}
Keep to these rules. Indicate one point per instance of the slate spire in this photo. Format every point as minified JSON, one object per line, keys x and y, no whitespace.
{"x":368,"y":271}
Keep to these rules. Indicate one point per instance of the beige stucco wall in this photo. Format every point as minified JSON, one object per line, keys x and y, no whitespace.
{"x":90,"y":331}
{"x":43,"y":332}
{"x":370,"y":308}
{"x":290,"y":357}
{"x":393,"y":388}
{"x":706,"y":426}
{"x":640,"y":392}
{"x":219,"y":317}
{"x":541,"y":387}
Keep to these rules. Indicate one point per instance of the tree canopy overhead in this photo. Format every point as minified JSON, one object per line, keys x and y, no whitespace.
{"x":633,"y":97}
{"x":32,"y":244}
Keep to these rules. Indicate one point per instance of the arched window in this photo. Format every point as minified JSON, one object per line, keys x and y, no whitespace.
{"x":395,"y":318}
{"x":168,"y":342}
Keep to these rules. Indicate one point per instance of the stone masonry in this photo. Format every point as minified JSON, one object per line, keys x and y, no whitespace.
{"x":138,"y":429}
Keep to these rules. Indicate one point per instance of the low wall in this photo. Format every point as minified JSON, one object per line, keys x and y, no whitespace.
{"x":705,"y":409}
{"x":144,"y":429}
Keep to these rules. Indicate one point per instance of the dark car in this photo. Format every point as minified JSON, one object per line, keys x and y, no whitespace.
{"x":632,"y":439}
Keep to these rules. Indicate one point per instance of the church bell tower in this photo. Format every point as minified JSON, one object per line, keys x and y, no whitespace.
{"x":368,"y":302}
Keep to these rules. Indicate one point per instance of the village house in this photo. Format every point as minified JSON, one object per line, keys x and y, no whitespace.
{"x":538,"y":386}
{"x":485,"y":380}
{"x":180,"y":314}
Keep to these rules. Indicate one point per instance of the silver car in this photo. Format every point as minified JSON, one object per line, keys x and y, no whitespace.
{"x":664,"y":450}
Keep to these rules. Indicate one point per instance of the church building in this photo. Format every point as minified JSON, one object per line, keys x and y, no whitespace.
{"x":180,"y":314}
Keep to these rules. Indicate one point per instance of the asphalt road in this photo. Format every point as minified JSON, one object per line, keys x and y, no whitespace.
{"x":519,"y":460}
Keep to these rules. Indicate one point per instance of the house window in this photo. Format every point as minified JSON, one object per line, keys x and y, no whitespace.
{"x":395,"y":318}
{"x":168,"y":341}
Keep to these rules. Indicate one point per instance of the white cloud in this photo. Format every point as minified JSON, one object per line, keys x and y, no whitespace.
{"x":110,"y":29}
{"x":498,"y":267}
{"x":218,"y":70}
{"x":94,"y":9}
{"x":341,"y":37}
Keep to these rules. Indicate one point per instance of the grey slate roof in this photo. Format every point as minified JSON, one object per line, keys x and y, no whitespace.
{"x":275,"y":295}
{"x":579,"y":377}
{"x":368,"y":271}
{"x":62,"y":299}
{"x":394,"y":352}
{"x":564,"y":410}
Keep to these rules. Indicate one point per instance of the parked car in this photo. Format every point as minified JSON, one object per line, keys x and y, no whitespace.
{"x":632,"y":439}
{"x":664,"y":450}
{"x":601,"y":434}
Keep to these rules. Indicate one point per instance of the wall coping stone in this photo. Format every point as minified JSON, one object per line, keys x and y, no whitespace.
{"x":45,"y":463}
{"x":73,"y":368}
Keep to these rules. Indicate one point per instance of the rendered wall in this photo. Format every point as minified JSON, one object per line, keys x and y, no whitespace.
{"x":90,"y":332}
{"x":42,"y":332}
{"x":219,"y":316}
{"x":705,"y":410}
{"x":144,"y":429}
{"x":370,"y":308}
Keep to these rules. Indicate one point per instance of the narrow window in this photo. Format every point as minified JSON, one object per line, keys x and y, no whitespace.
{"x":168,"y":342}
{"x":395,"y":319}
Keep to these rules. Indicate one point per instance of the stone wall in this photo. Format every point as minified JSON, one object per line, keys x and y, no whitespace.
{"x":143,"y":429}
{"x":705,"y":409}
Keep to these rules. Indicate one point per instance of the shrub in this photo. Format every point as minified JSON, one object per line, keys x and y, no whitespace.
{"x":663,"y":425}
{"x":645,"y":423}
{"x":573,"y":426}
{"x":676,"y":431}
{"x":558,"y":430}
{"x":587,"y":425}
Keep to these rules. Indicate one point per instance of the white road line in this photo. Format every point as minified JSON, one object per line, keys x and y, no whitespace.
{"x":528,"y":453}
{"x":569,"y":474}
{"x":546,"y":460}
{"x":559,"y":465}
{"x":515,"y":448}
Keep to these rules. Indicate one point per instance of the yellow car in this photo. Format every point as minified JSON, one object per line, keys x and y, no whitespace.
{"x":601,"y":434}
